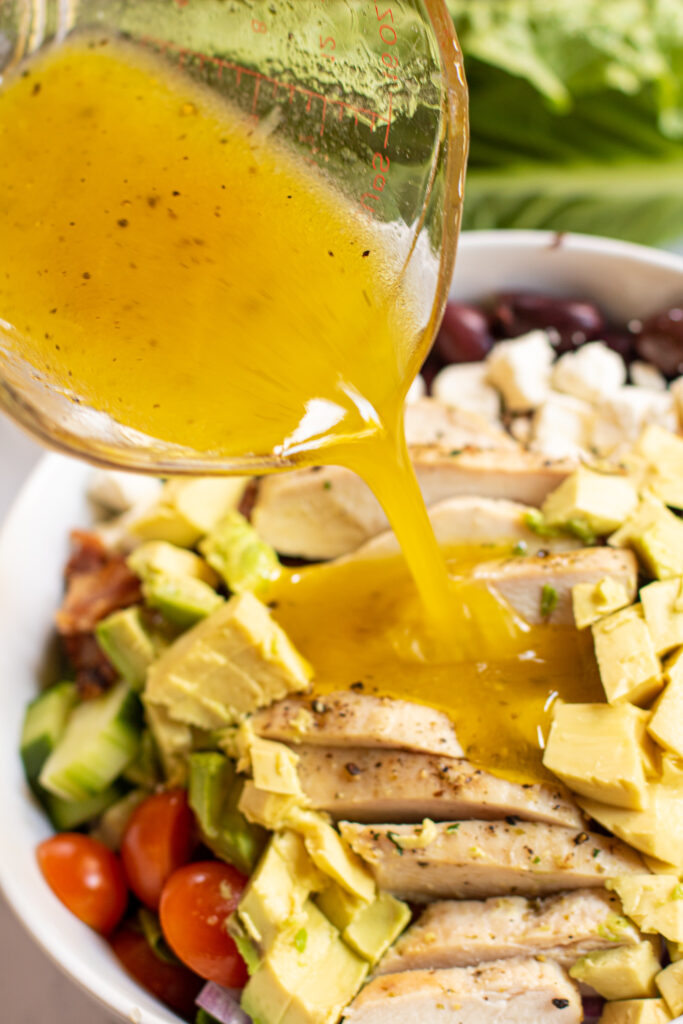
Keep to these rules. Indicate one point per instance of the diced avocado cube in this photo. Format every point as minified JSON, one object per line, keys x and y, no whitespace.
{"x":376,"y":927}
{"x":657,"y":830}
{"x":596,"y":749}
{"x":188,"y":509}
{"x":101,"y":739}
{"x":44,"y":725}
{"x":114,"y":821}
{"x":600,"y":501}
{"x":237,"y":553}
{"x":309,"y":977}
{"x":129,"y":647}
{"x":261,"y":807}
{"x":653,"y":902}
{"x":339,"y":906}
{"x":661,"y":453}
{"x":182,"y":600}
{"x":670,"y":984}
{"x":319,"y":1002}
{"x":626,"y":656}
{"x":158,"y":557}
{"x":331,"y":855}
{"x":656,"y":535}
{"x":624,"y":973}
{"x":278,"y":890}
{"x":283,"y":971}
{"x":274,"y":768}
{"x":636,"y":1011}
{"x":666,"y":723}
{"x":663,"y":609}
{"x":174,"y":741}
{"x":233,"y":662}
{"x":214,"y":792}
{"x":593,"y":601}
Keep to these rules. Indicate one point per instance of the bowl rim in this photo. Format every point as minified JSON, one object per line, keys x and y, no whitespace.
{"x":43,"y":929}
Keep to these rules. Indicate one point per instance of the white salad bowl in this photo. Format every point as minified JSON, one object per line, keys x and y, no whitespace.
{"x":626,"y":280}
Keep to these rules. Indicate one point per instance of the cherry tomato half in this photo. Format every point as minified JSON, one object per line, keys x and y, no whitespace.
{"x":195,"y":905}
{"x":87,"y":877}
{"x":173,"y":984}
{"x":157,"y":841}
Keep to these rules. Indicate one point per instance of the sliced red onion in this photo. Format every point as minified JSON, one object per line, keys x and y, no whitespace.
{"x":223,"y":1004}
{"x":592,"y":1008}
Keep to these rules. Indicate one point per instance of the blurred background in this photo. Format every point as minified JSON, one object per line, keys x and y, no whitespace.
{"x":576,"y":115}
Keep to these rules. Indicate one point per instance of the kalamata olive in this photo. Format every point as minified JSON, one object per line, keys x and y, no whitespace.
{"x":464,"y":336}
{"x":431,"y":366}
{"x":660,"y":341}
{"x":573,"y":320}
{"x":621,"y":341}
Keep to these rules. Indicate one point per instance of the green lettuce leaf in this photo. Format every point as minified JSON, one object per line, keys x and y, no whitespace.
{"x":576,"y":115}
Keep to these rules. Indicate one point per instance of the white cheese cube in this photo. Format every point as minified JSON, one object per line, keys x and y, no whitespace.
{"x":120,"y":491}
{"x":521,"y":427}
{"x":417,"y":390}
{"x":562,"y":427}
{"x":521,"y":369}
{"x":645,"y":375}
{"x":592,"y":372}
{"x":464,"y":385}
{"x":623,"y":416}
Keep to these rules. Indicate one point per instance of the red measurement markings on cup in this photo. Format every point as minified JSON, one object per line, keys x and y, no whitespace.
{"x":316,"y":102}
{"x":381,"y":163}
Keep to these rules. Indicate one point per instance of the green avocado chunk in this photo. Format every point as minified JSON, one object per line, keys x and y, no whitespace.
{"x":237,"y":553}
{"x":129,"y":647}
{"x":214,"y":793}
{"x":183,"y":600}
{"x":625,"y":973}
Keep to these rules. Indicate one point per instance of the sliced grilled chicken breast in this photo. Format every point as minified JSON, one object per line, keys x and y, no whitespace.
{"x":389,"y":785}
{"x":478,"y":859}
{"x":351,"y":719}
{"x":464,"y":933}
{"x":517,"y":991}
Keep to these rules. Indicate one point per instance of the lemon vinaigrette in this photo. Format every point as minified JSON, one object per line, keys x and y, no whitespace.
{"x":163,"y":263}
{"x":168,"y":266}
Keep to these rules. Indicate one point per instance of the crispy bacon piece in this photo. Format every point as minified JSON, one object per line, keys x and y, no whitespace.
{"x":97,"y":583}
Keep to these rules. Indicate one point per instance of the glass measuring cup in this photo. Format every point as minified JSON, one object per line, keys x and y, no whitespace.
{"x":371,"y":96}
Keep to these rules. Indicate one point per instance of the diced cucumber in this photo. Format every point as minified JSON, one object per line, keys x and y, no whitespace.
{"x":214,"y":792}
{"x":102,"y":737}
{"x":181,"y":600}
{"x":145,"y":770}
{"x":44,"y":724}
{"x":129,"y":647}
{"x":66,"y":815}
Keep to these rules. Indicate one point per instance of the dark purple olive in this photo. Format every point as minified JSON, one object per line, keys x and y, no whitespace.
{"x":464,"y":336}
{"x":621,"y":341}
{"x":660,"y":341}
{"x":573,"y":321}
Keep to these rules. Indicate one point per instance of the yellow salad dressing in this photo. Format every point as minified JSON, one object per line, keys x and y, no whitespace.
{"x":164,"y":263}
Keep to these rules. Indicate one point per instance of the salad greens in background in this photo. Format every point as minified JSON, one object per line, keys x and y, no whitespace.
{"x":576,"y":115}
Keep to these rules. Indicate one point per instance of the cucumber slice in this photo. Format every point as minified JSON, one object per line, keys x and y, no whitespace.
{"x":44,"y":724}
{"x":67,"y":815}
{"x":111,"y":827}
{"x":101,"y":739}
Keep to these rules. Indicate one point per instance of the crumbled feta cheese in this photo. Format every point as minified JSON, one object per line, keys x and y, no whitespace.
{"x":119,"y":491}
{"x":645,"y":375}
{"x":464,"y":385}
{"x":623,"y":415}
{"x":520,"y":369}
{"x":417,"y":390}
{"x":592,"y":373}
{"x":562,"y":427}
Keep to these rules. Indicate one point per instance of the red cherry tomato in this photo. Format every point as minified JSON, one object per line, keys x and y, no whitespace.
{"x":173,"y":984}
{"x":157,"y":841}
{"x":86,"y":877}
{"x":195,"y":905}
